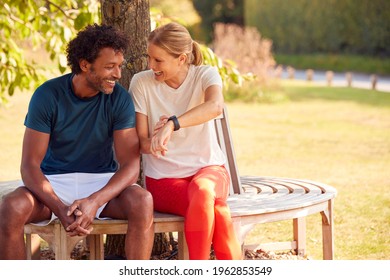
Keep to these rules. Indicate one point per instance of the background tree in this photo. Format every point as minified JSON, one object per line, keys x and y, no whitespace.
{"x":323,"y":26}
{"x":133,"y":18}
{"x":213,"y":11}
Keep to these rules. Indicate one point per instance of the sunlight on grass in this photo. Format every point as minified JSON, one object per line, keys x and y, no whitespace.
{"x":11,"y":131}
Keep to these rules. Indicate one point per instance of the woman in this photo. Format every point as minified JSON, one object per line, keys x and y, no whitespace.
{"x":176,"y":101}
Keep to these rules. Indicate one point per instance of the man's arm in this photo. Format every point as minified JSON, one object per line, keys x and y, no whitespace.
{"x":35,"y":144}
{"x":126,"y":146}
{"x":143,"y":132}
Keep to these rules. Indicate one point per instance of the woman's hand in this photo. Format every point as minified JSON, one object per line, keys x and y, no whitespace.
{"x":161,"y":135}
{"x":163,"y":120}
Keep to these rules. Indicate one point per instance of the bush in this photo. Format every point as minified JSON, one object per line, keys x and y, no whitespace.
{"x":244,"y":46}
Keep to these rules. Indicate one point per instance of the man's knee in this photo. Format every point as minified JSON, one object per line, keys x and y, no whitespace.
{"x":14,"y":207}
{"x":138,"y":199}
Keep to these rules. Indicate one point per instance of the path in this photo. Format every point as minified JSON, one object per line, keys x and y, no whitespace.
{"x":339,"y":79}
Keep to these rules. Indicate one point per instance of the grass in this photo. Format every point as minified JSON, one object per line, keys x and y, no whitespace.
{"x":337,"y":63}
{"x":339,"y":136}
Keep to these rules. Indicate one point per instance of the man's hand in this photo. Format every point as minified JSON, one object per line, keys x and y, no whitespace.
{"x":83,"y":212}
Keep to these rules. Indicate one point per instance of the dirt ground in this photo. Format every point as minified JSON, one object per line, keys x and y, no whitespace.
{"x":81,"y":252}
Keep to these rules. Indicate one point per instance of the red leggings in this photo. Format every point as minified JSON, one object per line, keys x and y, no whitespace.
{"x":201,"y":199}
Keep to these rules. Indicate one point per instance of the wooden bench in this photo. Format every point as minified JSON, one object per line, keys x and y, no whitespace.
{"x":253,"y":200}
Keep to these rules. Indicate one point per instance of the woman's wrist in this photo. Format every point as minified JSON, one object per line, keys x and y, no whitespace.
{"x":176,"y":125}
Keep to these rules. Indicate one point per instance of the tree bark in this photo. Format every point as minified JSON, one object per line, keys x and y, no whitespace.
{"x":133,"y":18}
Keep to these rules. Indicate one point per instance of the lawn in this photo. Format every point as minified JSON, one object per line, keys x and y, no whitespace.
{"x":339,"y":136}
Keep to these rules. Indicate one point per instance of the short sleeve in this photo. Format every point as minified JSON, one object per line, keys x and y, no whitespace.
{"x":124,"y":111}
{"x":41,"y":109}
{"x":138,"y":93}
{"x":210,"y":77}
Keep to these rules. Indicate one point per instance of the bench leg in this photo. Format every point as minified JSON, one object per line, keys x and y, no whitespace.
{"x":182,"y":253}
{"x":96,"y":246}
{"x":299,"y":228}
{"x":327,"y":232}
{"x":64,"y":244}
{"x":33,"y":247}
{"x":241,"y":231}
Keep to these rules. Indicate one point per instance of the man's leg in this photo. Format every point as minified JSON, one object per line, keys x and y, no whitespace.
{"x":18,"y":208}
{"x":135,"y":205}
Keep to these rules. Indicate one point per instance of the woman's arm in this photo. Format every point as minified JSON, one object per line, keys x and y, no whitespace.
{"x":208,"y":110}
{"x":211,"y":108}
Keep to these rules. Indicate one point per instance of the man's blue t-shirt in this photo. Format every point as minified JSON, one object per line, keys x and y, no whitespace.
{"x":81,"y":130}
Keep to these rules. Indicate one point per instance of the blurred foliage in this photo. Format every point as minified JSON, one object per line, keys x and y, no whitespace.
{"x":227,"y":69}
{"x":184,"y":12}
{"x":327,"y":26}
{"x":255,"y":92}
{"x":245,"y":46}
{"x":49,"y":25}
{"x":39,"y":24}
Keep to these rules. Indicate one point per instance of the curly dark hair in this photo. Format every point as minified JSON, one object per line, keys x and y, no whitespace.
{"x":88,"y":43}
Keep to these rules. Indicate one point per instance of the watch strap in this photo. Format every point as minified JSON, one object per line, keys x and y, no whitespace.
{"x":176,"y":125}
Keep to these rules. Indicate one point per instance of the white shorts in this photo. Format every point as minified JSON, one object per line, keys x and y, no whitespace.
{"x":71,"y":186}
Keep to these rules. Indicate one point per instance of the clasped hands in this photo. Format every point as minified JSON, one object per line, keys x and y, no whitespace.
{"x":79,"y":217}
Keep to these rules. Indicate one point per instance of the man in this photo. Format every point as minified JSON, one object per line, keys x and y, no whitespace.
{"x":68,"y":166}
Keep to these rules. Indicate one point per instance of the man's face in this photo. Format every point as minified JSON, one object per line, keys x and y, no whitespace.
{"x":105,"y":70}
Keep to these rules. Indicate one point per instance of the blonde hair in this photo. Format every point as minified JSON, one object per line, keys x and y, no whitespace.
{"x":176,"y":40}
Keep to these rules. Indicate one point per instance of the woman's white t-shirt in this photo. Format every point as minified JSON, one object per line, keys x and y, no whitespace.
{"x":190,"y":148}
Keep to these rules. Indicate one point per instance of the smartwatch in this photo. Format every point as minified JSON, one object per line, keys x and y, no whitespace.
{"x":176,"y":125}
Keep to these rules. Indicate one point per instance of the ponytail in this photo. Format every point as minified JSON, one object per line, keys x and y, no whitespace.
{"x":197,"y":54}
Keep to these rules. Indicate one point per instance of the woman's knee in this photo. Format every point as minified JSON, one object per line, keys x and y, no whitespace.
{"x":201,"y":189}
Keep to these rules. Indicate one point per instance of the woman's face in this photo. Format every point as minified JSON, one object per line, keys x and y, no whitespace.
{"x":166,"y":67}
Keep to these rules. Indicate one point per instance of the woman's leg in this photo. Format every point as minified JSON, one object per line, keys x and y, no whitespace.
{"x":208,"y":216}
{"x":174,"y":196}
{"x":226,"y":245}
{"x":201,"y":199}
{"x":169,"y":194}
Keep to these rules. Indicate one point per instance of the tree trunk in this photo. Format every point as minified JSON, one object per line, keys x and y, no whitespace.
{"x":133,"y":18}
